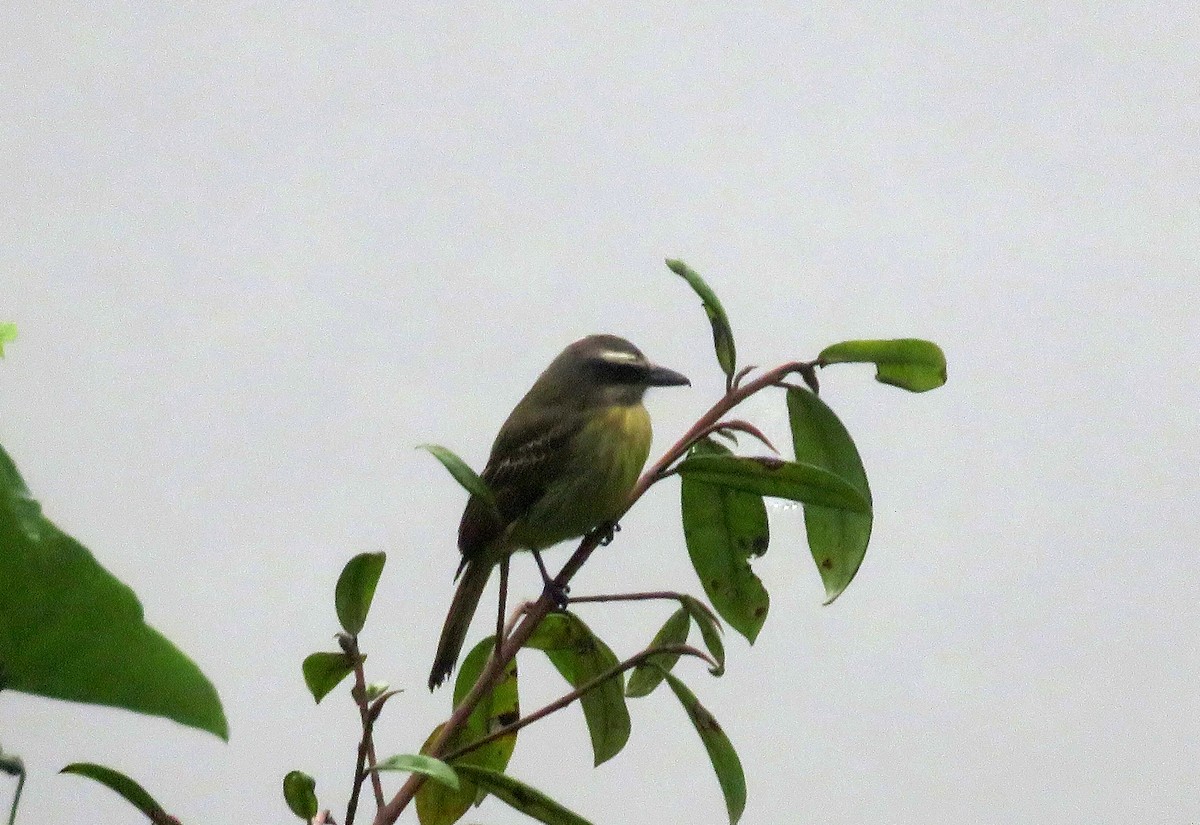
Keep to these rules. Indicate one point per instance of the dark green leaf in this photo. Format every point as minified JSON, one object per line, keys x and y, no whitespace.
{"x":724,"y":528}
{"x":324,"y":671}
{"x":580,"y":656}
{"x":909,"y":363}
{"x":710,"y":631}
{"x":720,"y":750}
{"x":438,"y":804}
{"x":420,"y":763}
{"x":463,"y":474}
{"x":772,"y":477}
{"x":722,"y":333}
{"x":355,"y":589}
{"x":70,"y":630}
{"x":529,"y":801}
{"x":646,"y":676}
{"x":837,"y":538}
{"x":130,"y":791}
{"x":8,"y":334}
{"x":300,"y":794}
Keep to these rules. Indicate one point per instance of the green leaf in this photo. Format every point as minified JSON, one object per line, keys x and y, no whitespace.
{"x":724,"y":528}
{"x":325,"y":671}
{"x":580,"y":656}
{"x":300,"y":794}
{"x":8,"y":334}
{"x":710,"y":631}
{"x":420,"y":763}
{"x":70,"y":630}
{"x":463,"y":474}
{"x":130,"y":791}
{"x":355,"y":589}
{"x":647,"y":676}
{"x":724,"y":758}
{"x":722,"y":333}
{"x":376,"y":689}
{"x":438,"y":804}
{"x":772,"y":477}
{"x":909,"y":363}
{"x":837,"y":538}
{"x":529,"y":801}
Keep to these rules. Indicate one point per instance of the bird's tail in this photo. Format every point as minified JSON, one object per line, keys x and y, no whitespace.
{"x":462,"y":609}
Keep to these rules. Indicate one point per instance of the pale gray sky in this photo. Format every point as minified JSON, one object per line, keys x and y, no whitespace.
{"x":258,"y":252}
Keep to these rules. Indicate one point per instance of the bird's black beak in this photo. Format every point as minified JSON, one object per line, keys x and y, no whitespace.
{"x":657,"y":376}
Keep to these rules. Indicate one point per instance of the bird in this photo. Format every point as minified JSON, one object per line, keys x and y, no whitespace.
{"x":563,"y":463}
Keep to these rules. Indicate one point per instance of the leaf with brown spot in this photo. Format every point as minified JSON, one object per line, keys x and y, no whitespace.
{"x":837,"y":538}
{"x":724,"y":758}
{"x":529,"y":801}
{"x":438,"y":804}
{"x":580,"y":657}
{"x":723,"y":528}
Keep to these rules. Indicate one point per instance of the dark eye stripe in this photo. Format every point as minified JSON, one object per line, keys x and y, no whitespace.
{"x":616,"y":372}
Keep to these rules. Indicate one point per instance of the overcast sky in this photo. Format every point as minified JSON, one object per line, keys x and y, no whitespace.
{"x":257,"y":253}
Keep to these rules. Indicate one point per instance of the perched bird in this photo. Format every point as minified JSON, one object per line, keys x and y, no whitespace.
{"x":564,"y":462}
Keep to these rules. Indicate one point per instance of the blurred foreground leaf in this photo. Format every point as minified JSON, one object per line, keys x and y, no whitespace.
{"x":70,"y":630}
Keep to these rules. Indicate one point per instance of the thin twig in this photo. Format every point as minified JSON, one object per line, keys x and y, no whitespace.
{"x":366,"y":746}
{"x":742,"y":373}
{"x":545,"y":603}
{"x":742,"y":427}
{"x":629,"y":597}
{"x":563,"y":701}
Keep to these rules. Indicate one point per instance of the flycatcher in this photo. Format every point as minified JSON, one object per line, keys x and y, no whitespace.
{"x":564,"y":462}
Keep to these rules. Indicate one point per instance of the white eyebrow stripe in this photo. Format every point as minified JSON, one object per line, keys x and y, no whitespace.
{"x":618,"y":355}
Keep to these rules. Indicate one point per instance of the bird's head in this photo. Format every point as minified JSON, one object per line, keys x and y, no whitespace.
{"x":604,"y":370}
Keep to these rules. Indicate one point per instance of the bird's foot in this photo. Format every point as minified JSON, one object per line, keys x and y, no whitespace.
{"x":556,"y":592}
{"x":607,"y":532}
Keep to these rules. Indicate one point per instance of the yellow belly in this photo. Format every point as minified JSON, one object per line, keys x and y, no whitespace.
{"x":599,"y":471}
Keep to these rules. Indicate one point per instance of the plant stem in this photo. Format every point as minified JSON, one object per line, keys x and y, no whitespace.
{"x":366,"y":747}
{"x":628,"y":597}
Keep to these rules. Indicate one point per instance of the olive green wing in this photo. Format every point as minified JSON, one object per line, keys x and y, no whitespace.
{"x":526,"y":458}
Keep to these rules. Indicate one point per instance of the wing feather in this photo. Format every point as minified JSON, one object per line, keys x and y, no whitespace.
{"x":526,"y":458}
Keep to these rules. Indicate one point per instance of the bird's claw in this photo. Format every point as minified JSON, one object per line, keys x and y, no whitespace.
{"x":557,"y":593}
{"x":608,"y":532}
